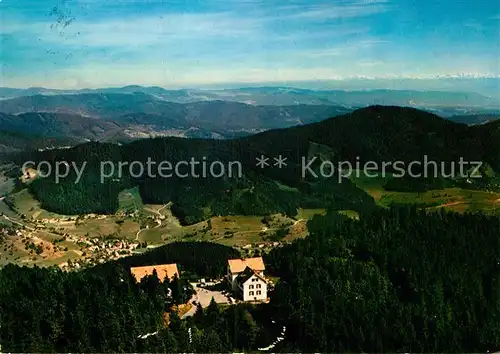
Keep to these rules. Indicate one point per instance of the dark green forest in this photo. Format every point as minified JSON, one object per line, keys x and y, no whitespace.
{"x":202,"y":259}
{"x":397,"y":280}
{"x":375,"y":134}
{"x":11,"y":143}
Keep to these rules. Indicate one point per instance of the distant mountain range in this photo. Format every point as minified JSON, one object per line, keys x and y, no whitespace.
{"x":115,"y":116}
{"x":282,"y":96}
{"x":132,"y":112}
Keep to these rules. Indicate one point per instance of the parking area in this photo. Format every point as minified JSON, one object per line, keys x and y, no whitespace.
{"x":204,"y":296}
{"x":205,"y":293}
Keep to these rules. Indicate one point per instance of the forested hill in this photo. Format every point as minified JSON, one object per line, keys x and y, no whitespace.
{"x":388,"y":133}
{"x":375,"y":133}
{"x":14,"y":142}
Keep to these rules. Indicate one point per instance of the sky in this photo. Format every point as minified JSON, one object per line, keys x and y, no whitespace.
{"x":194,"y":43}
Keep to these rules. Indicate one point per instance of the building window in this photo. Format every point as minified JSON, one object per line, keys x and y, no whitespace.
{"x":258,"y":286}
{"x":250,"y":287}
{"x":250,"y":293}
{"x":258,"y":292}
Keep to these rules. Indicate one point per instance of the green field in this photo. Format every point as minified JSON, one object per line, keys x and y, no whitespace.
{"x":243,"y":230}
{"x":374,"y":186}
{"x":228,"y":230}
{"x":9,"y":256}
{"x":306,"y":214}
{"x":71,"y":255}
{"x":423,"y":200}
{"x":350,"y":213}
{"x":6,"y":185}
{"x":25,"y":204}
{"x":4,"y":209}
{"x":105,"y":227}
{"x":152,"y":236}
{"x":452,"y":199}
{"x":455,"y":199}
{"x":130,"y":200}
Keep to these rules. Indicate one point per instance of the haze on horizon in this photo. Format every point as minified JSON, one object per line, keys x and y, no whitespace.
{"x":73,"y":44}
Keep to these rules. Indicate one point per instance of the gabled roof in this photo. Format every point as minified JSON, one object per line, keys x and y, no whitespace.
{"x":162,"y":271}
{"x":239,"y":265}
{"x":247,"y":274}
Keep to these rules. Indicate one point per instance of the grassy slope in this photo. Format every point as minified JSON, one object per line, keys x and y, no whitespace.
{"x":453,"y":199}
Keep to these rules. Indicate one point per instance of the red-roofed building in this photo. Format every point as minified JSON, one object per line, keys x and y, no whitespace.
{"x":246,"y":277}
{"x":162,"y":271}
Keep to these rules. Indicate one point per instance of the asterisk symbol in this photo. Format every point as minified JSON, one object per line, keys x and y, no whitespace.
{"x":280,"y":161}
{"x":262,"y":161}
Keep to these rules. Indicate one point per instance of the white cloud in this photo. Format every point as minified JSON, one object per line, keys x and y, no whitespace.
{"x":142,"y":31}
{"x":341,"y":9}
{"x":346,"y":49}
{"x":369,"y":63}
{"x":256,"y":41}
{"x":246,"y":19}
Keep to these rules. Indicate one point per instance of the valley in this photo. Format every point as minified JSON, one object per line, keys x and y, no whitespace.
{"x":33,"y":235}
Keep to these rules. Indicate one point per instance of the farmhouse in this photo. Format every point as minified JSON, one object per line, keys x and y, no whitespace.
{"x":162,"y":271}
{"x":246,"y":277}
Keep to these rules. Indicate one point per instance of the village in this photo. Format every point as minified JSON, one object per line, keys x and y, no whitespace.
{"x":98,"y":251}
{"x":38,"y":241}
{"x":92,"y":251}
{"x":73,"y":242}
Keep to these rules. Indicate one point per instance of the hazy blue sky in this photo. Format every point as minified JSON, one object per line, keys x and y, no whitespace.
{"x":95,"y":43}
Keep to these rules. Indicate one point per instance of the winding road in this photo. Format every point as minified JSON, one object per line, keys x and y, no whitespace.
{"x":17,"y":222}
{"x":264,"y":229}
{"x":155,"y":212}
{"x":193,"y":309}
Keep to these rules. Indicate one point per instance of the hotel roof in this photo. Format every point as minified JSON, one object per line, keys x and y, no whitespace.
{"x":239,"y":265}
{"x":162,"y":271}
